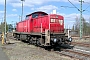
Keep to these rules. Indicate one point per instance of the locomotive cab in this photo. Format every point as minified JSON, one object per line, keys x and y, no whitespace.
{"x":56,"y":23}
{"x":58,"y":36}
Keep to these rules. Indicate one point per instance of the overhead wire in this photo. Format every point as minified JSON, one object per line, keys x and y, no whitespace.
{"x":86,"y":7}
{"x":74,"y":5}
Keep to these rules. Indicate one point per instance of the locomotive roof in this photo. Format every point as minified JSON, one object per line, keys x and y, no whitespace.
{"x":37,"y":12}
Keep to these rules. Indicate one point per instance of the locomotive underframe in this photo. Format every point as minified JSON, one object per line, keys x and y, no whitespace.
{"x":43,"y":39}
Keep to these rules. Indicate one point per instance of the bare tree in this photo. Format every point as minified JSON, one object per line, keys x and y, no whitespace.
{"x":77,"y":24}
{"x":85,"y":26}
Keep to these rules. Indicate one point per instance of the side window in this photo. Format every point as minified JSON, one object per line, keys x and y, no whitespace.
{"x":52,"y":20}
{"x":27,"y":17}
{"x":42,"y":14}
{"x":34,"y":15}
{"x":61,"y":22}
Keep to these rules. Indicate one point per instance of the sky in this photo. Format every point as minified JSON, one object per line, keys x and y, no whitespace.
{"x":14,"y":9}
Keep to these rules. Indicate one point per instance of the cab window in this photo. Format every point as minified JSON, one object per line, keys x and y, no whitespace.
{"x":34,"y":15}
{"x":27,"y":17}
{"x":43,"y":14}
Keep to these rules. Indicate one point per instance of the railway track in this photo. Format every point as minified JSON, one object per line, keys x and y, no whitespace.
{"x":74,"y":54}
{"x":81,"y":44}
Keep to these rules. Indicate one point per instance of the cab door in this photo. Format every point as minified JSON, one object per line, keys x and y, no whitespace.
{"x":31,"y":25}
{"x":34,"y":22}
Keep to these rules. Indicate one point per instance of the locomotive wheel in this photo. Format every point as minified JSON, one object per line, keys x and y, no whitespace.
{"x":38,"y":42}
{"x":30,"y":41}
{"x":41,"y":41}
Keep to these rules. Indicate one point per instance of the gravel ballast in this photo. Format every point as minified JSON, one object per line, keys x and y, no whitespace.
{"x":18,"y":50}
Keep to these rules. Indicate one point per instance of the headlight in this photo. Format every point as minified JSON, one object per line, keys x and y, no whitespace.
{"x":55,"y":40}
{"x":70,"y":39}
{"x":52,"y":20}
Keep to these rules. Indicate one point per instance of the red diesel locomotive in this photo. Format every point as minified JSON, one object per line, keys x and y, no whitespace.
{"x":42,"y":29}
